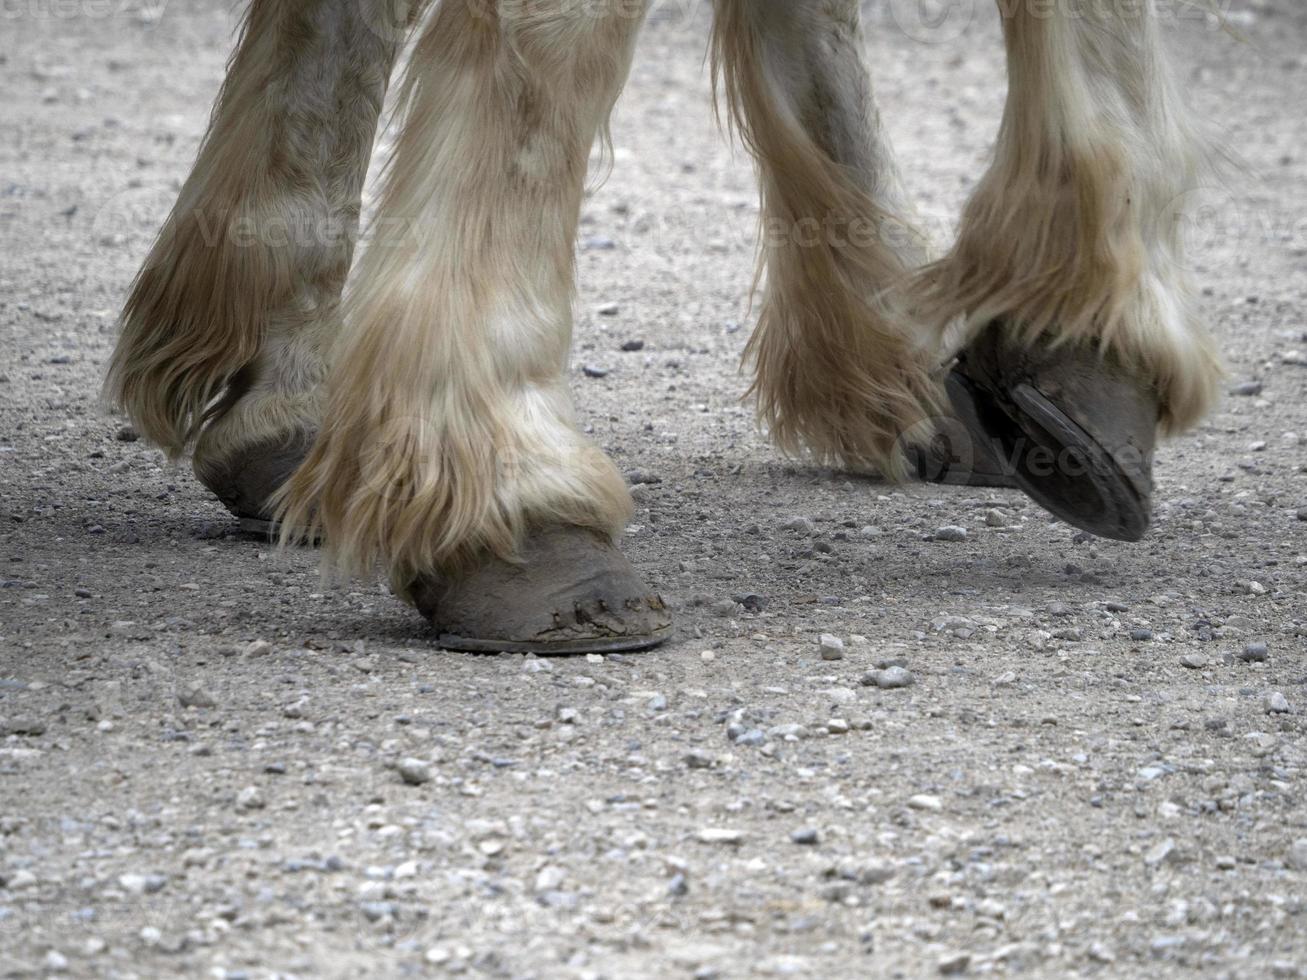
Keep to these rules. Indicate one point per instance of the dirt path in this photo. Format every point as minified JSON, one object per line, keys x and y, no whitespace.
{"x":201,"y":744}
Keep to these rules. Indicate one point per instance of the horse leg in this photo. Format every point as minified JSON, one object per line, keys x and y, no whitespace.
{"x":226,"y":327}
{"x":449,"y":452}
{"x":1068,"y":270}
{"x":840,"y":367}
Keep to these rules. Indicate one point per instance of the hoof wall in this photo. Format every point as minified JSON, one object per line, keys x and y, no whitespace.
{"x":570,"y":592}
{"x":247,"y":483}
{"x":1075,"y":431}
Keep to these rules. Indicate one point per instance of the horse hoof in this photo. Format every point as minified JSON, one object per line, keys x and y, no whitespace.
{"x":570,"y":591}
{"x":959,"y":453}
{"x":1074,"y":430}
{"x":246,"y":482}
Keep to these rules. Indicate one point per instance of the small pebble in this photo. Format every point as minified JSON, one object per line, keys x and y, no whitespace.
{"x":250,"y":798}
{"x":800,"y":525}
{"x":719,"y":835}
{"x":832,"y":647}
{"x":893,"y":677}
{"x":951,"y":532}
{"x":195,"y":696}
{"x":792,"y":732}
{"x":415,"y":772}
{"x":1277,"y":704}
{"x":21,"y":726}
{"x":1194,"y":661}
{"x":258,"y":648}
{"x":1256,"y":653}
{"x":550,"y":878}
{"x":806,"y":836}
{"x":1296,"y":858}
{"x":924,"y":801}
{"x":1160,"y":853}
{"x":139,"y":884}
{"x":55,"y":961}
{"x":1100,"y":953}
{"x":954,"y":964}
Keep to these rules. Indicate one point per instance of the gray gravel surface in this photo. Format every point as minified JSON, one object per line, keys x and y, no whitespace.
{"x":1028,"y":752}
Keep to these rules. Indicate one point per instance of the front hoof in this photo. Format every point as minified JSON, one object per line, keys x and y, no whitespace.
{"x":570,"y":591}
{"x":1076,"y":431}
{"x":246,"y":481}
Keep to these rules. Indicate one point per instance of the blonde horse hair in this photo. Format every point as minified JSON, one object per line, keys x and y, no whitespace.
{"x":838,"y":370}
{"x":449,"y":426}
{"x":1072,"y":234}
{"x":260,"y":239}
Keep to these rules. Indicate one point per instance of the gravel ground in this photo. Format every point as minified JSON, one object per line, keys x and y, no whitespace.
{"x":1017,"y":750}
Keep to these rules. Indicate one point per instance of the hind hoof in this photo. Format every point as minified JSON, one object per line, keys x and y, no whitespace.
{"x":246,"y":483}
{"x":958,"y":453}
{"x":571,"y":591}
{"x":1074,"y":430}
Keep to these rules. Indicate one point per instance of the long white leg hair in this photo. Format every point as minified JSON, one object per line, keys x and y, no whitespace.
{"x":240,"y":291}
{"x":1073,"y":232}
{"x":449,"y":427}
{"x":841,"y":369}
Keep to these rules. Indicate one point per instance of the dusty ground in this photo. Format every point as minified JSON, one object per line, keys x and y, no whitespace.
{"x":1086,"y":777}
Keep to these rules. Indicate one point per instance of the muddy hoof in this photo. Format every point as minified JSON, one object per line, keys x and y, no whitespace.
{"x":245,"y":484}
{"x":1073,"y":430}
{"x":571,"y":592}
